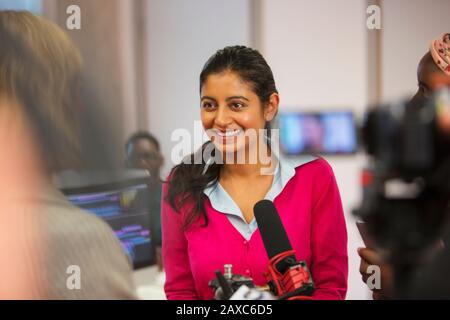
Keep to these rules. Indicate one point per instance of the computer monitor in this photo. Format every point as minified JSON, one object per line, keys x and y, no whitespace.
{"x":124,"y":204}
{"x":330,"y":132}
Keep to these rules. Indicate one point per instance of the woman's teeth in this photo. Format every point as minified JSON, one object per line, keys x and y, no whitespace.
{"x":228,"y":133}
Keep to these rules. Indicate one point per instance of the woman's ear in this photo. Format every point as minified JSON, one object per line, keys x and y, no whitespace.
{"x":271,"y":109}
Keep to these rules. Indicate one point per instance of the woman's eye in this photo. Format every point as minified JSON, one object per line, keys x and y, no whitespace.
{"x":207,"y":105}
{"x":237,"y":105}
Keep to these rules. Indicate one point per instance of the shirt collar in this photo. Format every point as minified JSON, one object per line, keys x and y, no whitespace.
{"x":284,"y":172}
{"x":288,"y":166}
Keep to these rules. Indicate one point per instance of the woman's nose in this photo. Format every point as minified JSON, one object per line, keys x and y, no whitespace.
{"x":222,"y":117}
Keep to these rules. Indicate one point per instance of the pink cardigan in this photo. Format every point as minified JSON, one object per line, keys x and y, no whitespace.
{"x":311,"y":211}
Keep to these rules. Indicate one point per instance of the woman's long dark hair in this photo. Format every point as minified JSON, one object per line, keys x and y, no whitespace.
{"x":187,"y":180}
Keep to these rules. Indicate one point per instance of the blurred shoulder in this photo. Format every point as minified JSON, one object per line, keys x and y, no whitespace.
{"x":77,"y":237}
{"x":66,"y":219}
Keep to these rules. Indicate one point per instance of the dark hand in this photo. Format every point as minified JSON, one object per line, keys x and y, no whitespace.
{"x":371,"y":257}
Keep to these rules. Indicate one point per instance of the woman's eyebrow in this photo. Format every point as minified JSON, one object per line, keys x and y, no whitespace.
{"x":207,"y":98}
{"x":236,"y":97}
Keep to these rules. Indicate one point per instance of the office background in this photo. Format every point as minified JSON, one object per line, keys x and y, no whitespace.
{"x":144,"y":58}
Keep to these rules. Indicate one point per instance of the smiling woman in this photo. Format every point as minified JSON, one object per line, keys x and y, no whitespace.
{"x":207,"y":211}
{"x":230,"y":108}
{"x":238,"y":95}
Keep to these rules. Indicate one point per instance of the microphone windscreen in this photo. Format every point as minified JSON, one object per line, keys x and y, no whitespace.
{"x":271,"y":228}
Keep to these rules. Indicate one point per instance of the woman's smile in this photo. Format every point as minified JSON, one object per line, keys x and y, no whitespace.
{"x":227,"y":136}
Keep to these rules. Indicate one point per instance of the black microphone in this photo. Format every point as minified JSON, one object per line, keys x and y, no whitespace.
{"x":287,"y":278}
{"x":272,"y":231}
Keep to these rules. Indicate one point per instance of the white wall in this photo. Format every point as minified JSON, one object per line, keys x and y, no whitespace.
{"x":408,"y":28}
{"x":317,"y":51}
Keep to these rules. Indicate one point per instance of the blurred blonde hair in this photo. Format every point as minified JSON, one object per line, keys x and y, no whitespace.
{"x":45,"y":80}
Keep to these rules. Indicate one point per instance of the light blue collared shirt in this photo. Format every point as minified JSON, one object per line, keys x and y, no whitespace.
{"x":222,"y":201}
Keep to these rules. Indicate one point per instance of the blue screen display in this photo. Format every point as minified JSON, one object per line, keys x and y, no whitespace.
{"x":327,"y":133}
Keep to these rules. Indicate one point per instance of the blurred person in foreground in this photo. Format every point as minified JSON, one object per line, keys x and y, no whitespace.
{"x":433,"y":73}
{"x":20,"y":245}
{"x":39,"y":101}
{"x":143,"y":152}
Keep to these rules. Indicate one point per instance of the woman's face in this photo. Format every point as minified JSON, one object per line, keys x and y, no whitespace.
{"x":231,"y":110}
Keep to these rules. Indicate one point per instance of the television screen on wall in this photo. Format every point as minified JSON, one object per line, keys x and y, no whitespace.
{"x":329,"y":132}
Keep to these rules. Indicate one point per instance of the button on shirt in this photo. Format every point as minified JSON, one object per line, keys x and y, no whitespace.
{"x":222,"y":201}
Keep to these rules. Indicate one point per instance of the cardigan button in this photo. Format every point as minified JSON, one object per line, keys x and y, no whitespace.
{"x":245,"y":242}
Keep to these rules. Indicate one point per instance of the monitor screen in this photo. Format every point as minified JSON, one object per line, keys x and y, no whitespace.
{"x":125,"y":207}
{"x":331,"y":132}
